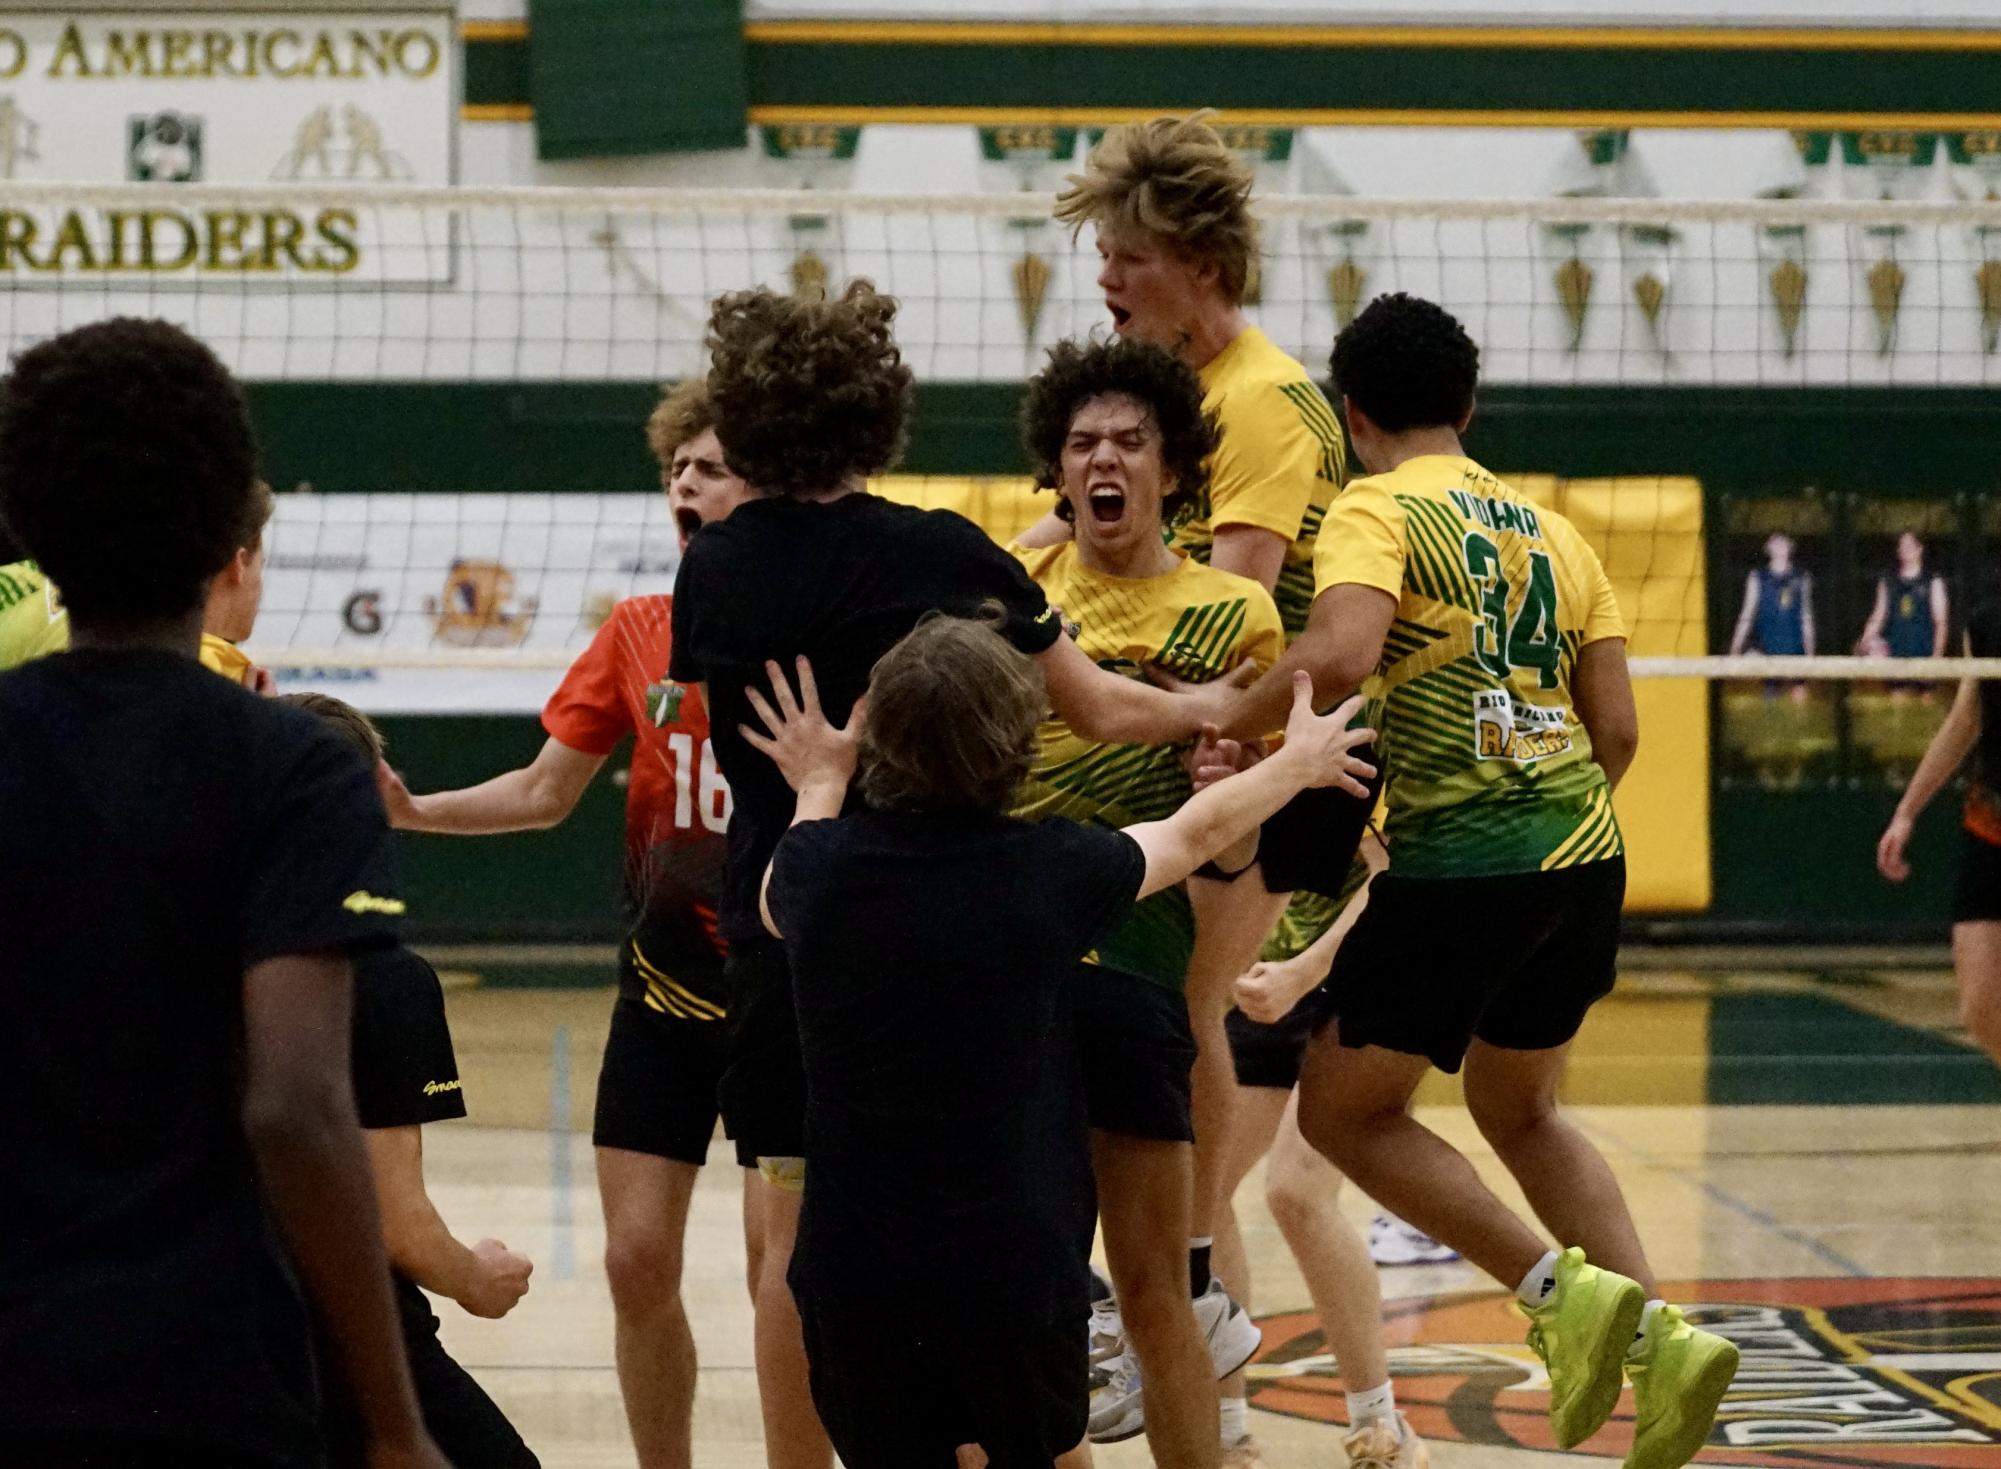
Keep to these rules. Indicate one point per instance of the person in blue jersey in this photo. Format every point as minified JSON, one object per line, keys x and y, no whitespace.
{"x":1913,"y":610}
{"x":1777,"y":616}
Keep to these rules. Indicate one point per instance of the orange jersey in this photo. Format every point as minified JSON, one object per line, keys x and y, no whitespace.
{"x":677,"y":805}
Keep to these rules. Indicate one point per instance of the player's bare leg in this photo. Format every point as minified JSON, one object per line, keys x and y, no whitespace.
{"x":1303,"y":1191}
{"x":1354,"y":1108}
{"x":793,"y":1437}
{"x":1144,"y":1188}
{"x":1512,"y":1096}
{"x":645,"y":1200}
{"x":753,"y":1232}
{"x":1077,"y":1458}
{"x":1976,"y":960}
{"x":1254,"y":1122}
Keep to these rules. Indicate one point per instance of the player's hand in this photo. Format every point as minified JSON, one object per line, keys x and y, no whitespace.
{"x":1207,"y":703}
{"x":1267,"y":992}
{"x":1890,"y":858}
{"x":1214,"y":758}
{"x":500,"y":1282}
{"x":261,"y":681}
{"x":396,"y":797}
{"x":1321,"y":744}
{"x":807,"y":750}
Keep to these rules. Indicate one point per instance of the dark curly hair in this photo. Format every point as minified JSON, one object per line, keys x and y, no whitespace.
{"x":807,"y":392}
{"x":127,"y":467}
{"x":1162,"y":383}
{"x":1407,"y":363}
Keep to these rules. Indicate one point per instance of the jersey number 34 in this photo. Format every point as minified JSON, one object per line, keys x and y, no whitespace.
{"x":1528,"y":639}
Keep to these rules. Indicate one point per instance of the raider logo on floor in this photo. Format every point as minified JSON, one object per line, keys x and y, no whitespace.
{"x":1837,"y":1374}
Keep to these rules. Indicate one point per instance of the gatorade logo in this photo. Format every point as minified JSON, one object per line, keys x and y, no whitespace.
{"x":1848,"y":1373}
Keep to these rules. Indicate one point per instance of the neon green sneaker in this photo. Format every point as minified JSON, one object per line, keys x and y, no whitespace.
{"x":1582,"y":1333}
{"x":1679,"y":1378}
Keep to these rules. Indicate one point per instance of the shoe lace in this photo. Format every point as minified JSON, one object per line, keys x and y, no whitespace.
{"x":1536,"y":1342}
{"x":1371,"y":1448}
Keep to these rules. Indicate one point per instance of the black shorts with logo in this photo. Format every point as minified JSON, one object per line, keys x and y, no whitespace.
{"x":1515,"y":959}
{"x":1309,"y":844}
{"x":669,"y":1041}
{"x":1977,"y":895}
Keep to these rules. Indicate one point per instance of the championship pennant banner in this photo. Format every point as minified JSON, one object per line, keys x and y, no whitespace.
{"x":234,"y":97}
{"x":355,"y":581}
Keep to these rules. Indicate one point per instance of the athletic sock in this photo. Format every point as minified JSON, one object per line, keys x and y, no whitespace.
{"x":1538,"y":1283}
{"x":1235,"y":1416}
{"x":1101,"y":1288}
{"x":1646,"y":1320}
{"x":1377,"y":1405}
{"x":1198,"y":1265}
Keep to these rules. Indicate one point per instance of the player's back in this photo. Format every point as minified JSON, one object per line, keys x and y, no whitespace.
{"x":140,"y":1286}
{"x":1489,"y":766}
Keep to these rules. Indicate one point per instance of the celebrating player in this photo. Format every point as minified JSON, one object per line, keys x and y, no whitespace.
{"x":406,"y":1075}
{"x":922,"y":1050}
{"x":656,"y":1102}
{"x":811,"y":396}
{"x":1118,"y":430}
{"x":174,"y":1029}
{"x":1497,"y":668}
{"x":1170,"y":205}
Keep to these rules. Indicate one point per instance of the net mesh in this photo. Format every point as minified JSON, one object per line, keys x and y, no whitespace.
{"x":463,"y":598}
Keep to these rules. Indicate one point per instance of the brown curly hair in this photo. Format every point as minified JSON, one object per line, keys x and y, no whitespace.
{"x":683,"y":413}
{"x":952,"y":712}
{"x":807,"y":393}
{"x":1153,"y":377}
{"x":1174,"y":179}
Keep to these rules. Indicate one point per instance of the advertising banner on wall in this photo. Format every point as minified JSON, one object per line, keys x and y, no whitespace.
{"x":500,"y":591}
{"x":226,"y":97}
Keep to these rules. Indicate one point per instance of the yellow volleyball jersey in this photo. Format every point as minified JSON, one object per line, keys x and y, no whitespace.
{"x":1282,"y":460}
{"x":1488,"y":768}
{"x":1195,"y":622}
{"x":32,"y":619}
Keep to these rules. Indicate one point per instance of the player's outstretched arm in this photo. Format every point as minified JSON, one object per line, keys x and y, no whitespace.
{"x":1741,"y":634}
{"x":816,"y":759}
{"x":1602,"y":689}
{"x":1948,"y":750}
{"x":1341,"y":646}
{"x":486,"y":1279}
{"x":1103,"y":707}
{"x":539,"y":795}
{"x":299,"y":1118}
{"x":1317,"y":752}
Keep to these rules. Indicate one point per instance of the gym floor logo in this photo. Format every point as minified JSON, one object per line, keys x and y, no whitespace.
{"x":1837,"y":1374}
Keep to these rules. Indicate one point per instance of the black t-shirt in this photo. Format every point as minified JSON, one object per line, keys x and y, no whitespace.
{"x":165,"y":831}
{"x":949,"y":1152}
{"x":405,"y":1073}
{"x":841,"y":583}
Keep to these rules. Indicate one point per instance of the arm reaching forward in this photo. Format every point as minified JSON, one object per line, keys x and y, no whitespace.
{"x":537,"y":796}
{"x":1317,"y":752}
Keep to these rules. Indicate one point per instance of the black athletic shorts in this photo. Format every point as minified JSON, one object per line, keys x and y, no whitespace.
{"x":1271,"y":1055}
{"x":763,"y":1087}
{"x":1514,"y":959}
{"x":1977,"y":896}
{"x":903,"y":1394}
{"x":657,"y":1088}
{"x":1137,"y":1053}
{"x":1310,"y":843}
{"x":83,"y":1450}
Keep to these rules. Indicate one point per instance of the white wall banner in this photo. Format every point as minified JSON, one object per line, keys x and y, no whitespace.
{"x":510,"y":586}
{"x":226,"y":97}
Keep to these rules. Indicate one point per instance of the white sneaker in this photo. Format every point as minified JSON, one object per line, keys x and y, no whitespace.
{"x":1118,"y":1400}
{"x":1375,"y":1446}
{"x":1108,"y":1331}
{"x":1393,"y":1242}
{"x":1243,"y":1454}
{"x":1232,"y":1336}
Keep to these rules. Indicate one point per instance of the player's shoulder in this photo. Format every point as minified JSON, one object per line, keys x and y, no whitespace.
{"x":654,"y":611}
{"x":1254,"y":363}
{"x":1214,"y":584}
